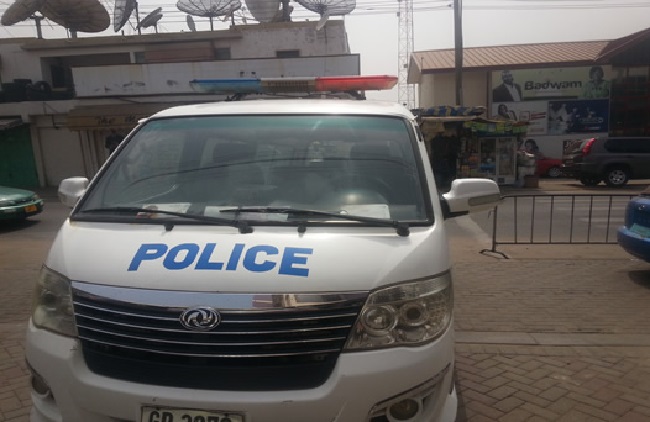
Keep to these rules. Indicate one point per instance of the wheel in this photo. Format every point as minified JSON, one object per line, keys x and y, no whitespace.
{"x":554,"y":172}
{"x":617,"y":177}
{"x":589,"y":180}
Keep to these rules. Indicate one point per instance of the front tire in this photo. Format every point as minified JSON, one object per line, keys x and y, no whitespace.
{"x":554,"y":172}
{"x":617,"y":177}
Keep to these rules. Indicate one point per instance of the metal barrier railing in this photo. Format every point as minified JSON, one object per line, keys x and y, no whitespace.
{"x":557,"y":219}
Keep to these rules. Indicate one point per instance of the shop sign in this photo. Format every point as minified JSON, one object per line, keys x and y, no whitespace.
{"x":589,"y":82}
{"x":104,"y":121}
{"x":533,"y":112}
{"x":579,"y":116}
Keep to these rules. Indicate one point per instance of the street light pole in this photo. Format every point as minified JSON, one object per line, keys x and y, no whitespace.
{"x":458,"y":46}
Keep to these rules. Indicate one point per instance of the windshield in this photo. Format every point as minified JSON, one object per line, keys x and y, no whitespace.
{"x":353,"y":165}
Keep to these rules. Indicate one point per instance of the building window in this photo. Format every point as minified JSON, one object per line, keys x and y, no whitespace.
{"x":139,"y":57}
{"x":222,"y":53}
{"x":58,"y":76}
{"x":287,"y":54}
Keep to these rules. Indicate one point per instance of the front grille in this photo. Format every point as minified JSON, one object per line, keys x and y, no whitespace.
{"x":268,"y":342}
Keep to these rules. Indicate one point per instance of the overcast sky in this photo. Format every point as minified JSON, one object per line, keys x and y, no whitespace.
{"x":373,"y":26}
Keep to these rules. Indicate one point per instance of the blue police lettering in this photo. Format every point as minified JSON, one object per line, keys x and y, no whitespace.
{"x":170,"y":261}
{"x":251,"y":256}
{"x":257,"y":258}
{"x":234,"y":256}
{"x":290,"y":258}
{"x":147,"y":251}
{"x":204,"y":260}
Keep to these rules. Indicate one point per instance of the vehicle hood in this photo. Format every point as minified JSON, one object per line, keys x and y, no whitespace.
{"x":271,"y":259}
{"x":14,"y":193}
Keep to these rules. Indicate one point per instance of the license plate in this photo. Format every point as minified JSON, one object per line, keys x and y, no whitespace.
{"x":158,"y":414}
{"x":31,"y":208}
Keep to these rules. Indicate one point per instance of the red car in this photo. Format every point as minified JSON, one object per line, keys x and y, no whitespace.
{"x":550,"y":167}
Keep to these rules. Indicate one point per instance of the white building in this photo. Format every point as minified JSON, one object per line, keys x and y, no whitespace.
{"x":60,"y":98}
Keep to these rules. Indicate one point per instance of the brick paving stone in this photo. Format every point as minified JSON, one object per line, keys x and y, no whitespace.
{"x":540,"y":411}
{"x":474,"y":396}
{"x":516,"y":415}
{"x":508,"y":404}
{"x":633,"y":417}
{"x":600,"y":414}
{"x":642,"y":409}
{"x":553,"y":393}
{"x":494,"y":382}
{"x":502,"y":392}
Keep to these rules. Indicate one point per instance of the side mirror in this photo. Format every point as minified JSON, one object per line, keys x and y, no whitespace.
{"x":470,"y":195}
{"x":71,"y":189}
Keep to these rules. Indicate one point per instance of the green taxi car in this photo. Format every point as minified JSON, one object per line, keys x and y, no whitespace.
{"x":18,"y":204}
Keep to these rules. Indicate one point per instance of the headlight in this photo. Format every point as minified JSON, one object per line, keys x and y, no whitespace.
{"x":6,"y":203}
{"x":52,"y":307}
{"x":405,"y":314}
{"x":35,"y":197}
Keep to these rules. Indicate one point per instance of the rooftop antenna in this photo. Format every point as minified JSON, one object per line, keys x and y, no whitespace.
{"x":209,"y":8}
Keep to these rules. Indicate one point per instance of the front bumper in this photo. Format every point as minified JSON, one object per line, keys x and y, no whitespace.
{"x":21,"y":211}
{"x":633,"y":243}
{"x":359,"y":381}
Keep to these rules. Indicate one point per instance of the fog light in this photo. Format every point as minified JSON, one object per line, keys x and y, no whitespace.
{"x":39,"y":386}
{"x":405,"y":410}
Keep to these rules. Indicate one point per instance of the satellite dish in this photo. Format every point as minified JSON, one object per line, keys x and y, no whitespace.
{"x":209,"y":8}
{"x":77,"y":15}
{"x":19,"y":11}
{"x":327,"y":8}
{"x":122,"y":13}
{"x":151,"y":19}
{"x":264,"y":10}
{"x":190,"y":23}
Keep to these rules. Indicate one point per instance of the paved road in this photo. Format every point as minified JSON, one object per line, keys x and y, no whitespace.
{"x":553,"y":333}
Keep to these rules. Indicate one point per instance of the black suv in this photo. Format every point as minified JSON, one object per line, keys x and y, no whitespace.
{"x":613,"y":160}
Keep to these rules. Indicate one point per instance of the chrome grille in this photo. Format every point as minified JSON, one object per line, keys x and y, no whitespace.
{"x":142,"y":327}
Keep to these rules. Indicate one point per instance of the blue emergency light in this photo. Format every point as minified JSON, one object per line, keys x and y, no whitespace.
{"x":295,"y":85}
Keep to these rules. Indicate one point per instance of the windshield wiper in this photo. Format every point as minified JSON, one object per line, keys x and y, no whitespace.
{"x":242,"y":225}
{"x":401,"y":227}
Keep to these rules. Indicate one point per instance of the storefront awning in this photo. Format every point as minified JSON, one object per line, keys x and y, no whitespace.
{"x":114,"y":116}
{"x":450,"y":111}
{"x":496,"y":127}
{"x":432,"y":125}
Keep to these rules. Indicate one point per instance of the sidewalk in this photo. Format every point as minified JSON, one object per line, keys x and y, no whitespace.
{"x":555,"y":333}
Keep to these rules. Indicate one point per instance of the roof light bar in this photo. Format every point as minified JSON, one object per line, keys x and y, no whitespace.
{"x":295,"y":85}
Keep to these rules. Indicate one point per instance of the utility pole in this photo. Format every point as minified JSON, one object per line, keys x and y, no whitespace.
{"x":405,"y":91}
{"x":458,"y":46}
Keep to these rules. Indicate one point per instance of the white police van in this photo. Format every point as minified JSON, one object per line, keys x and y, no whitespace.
{"x":254,"y":261}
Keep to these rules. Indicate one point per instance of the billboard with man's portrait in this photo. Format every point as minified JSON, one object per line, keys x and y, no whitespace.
{"x":591,"y":82}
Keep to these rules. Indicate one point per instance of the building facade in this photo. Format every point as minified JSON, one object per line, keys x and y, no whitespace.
{"x":563,"y":91}
{"x":61,"y":98}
